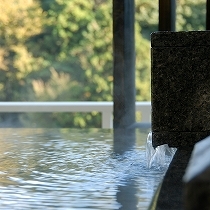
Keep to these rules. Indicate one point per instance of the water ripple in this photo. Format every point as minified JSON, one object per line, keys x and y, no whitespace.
{"x":70,"y":169}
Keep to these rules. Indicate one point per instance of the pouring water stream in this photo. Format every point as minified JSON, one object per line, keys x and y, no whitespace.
{"x":157,"y":157}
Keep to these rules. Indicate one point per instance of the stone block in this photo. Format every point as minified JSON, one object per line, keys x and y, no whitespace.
{"x":171,"y":192}
{"x":180,"y":85}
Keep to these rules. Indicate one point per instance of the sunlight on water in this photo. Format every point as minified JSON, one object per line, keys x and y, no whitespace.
{"x":73,"y":169}
{"x":160,"y":156}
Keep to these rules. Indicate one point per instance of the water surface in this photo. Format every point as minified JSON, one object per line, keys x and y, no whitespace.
{"x":73,"y":169}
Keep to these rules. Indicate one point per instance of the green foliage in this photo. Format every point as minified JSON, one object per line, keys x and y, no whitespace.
{"x":61,"y":50}
{"x":191,"y":15}
{"x":147,"y":17}
{"x":15,"y":61}
{"x":80,"y":59}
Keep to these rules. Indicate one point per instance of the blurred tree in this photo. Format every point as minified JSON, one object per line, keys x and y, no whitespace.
{"x":147,"y":17}
{"x":146,"y":23}
{"x":191,"y":15}
{"x":76,"y":43}
{"x":17,"y":21}
{"x":73,"y":42}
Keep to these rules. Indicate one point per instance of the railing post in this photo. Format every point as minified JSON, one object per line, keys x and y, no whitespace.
{"x":167,"y":15}
{"x":106,"y":119}
{"x":145,"y":116}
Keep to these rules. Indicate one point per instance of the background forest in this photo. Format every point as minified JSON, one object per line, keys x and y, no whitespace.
{"x":61,"y":50}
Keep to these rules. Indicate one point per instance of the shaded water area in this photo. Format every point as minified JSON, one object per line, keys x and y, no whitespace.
{"x":74,"y":169}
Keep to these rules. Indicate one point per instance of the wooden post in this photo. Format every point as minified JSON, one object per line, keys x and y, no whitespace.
{"x":167,"y":15}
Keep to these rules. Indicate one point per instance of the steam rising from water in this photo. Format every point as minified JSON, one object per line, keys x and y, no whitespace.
{"x":159,"y":156}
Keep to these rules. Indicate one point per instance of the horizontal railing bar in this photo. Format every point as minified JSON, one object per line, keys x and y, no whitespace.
{"x":104,"y":107}
{"x":87,"y":106}
{"x":55,"y":106}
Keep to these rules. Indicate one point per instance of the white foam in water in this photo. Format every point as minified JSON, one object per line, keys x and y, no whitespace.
{"x":159,"y":156}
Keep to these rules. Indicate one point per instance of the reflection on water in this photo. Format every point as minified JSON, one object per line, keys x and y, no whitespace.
{"x":124,"y":140}
{"x":73,"y":169}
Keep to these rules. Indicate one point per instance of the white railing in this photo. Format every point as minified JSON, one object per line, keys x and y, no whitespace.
{"x":106,"y":108}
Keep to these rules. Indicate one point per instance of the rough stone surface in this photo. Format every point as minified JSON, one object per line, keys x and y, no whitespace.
{"x":180,"y":39}
{"x":178,"y":139}
{"x":197,"y":178}
{"x":171,"y":194}
{"x":180,"y":87}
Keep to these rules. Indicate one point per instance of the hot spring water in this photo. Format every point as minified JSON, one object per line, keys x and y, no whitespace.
{"x":75,"y":169}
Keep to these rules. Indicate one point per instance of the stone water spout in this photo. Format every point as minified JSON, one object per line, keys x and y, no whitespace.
{"x":180,"y":103}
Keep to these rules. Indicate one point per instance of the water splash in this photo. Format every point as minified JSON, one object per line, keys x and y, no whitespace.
{"x":159,"y":156}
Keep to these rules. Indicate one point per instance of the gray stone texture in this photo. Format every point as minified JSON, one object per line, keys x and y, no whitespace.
{"x":180,"y":87}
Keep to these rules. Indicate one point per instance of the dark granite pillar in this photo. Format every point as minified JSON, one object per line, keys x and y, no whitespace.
{"x":207,"y":14}
{"x":124,"y":63}
{"x":167,"y":15}
{"x":124,"y":74}
{"x":180,"y":87}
